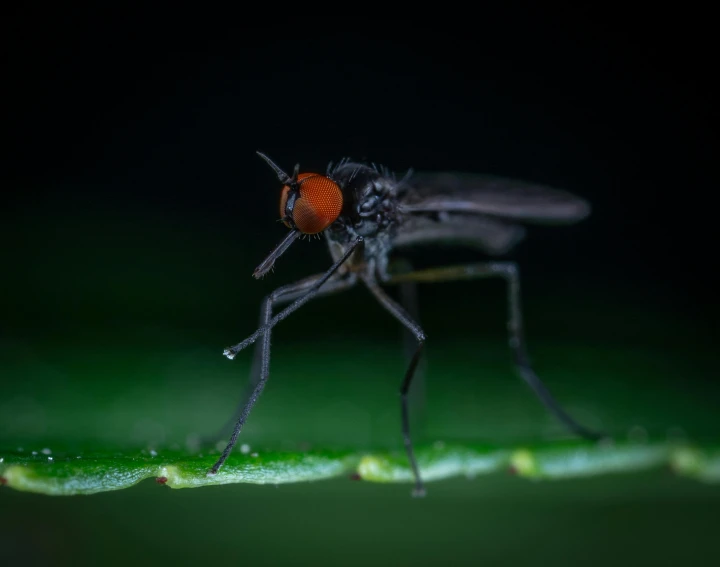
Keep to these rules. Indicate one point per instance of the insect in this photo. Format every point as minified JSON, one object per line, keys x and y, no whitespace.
{"x":365,"y":213}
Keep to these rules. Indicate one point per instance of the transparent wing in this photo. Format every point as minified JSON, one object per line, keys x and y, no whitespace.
{"x":489,"y":195}
{"x":490,"y":235}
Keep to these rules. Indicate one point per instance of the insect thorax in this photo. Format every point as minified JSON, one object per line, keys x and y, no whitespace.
{"x":369,"y":210}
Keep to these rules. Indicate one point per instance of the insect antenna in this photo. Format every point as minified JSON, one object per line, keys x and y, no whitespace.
{"x":284,"y":178}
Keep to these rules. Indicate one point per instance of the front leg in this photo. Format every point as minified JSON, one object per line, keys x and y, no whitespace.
{"x":280,"y":296}
{"x":261,"y":363}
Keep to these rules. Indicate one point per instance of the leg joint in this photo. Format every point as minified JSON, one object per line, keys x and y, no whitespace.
{"x":509,"y":270}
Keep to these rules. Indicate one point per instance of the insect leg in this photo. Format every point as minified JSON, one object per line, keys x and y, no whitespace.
{"x":509,"y":272}
{"x":232,"y":351}
{"x":401,"y":315}
{"x":258,"y":383}
{"x":280,"y":296}
{"x":409,"y":301}
{"x":264,"y":331}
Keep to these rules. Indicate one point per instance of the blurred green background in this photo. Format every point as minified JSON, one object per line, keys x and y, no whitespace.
{"x":135,"y":212}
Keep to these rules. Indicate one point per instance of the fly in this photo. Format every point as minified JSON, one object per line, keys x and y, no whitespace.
{"x":365,"y":213}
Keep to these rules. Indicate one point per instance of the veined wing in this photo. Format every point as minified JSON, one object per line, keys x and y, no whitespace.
{"x":490,"y":235}
{"x":489,"y":195}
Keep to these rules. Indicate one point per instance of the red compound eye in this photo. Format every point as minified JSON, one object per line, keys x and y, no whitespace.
{"x":318,"y":205}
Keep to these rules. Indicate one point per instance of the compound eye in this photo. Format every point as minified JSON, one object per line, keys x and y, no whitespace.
{"x":318,"y":205}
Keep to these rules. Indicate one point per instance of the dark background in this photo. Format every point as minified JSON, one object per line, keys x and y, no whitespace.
{"x":126,"y":125}
{"x":134,"y":211}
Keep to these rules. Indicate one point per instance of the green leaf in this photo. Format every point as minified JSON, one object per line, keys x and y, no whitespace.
{"x":66,"y":473}
{"x":82,"y":413}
